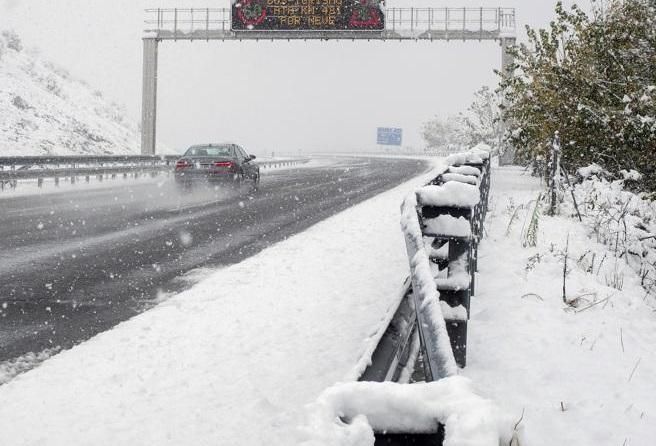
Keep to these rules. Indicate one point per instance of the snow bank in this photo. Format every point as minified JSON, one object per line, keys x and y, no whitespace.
{"x":347,"y":414}
{"x":450,"y":194}
{"x":45,"y":111}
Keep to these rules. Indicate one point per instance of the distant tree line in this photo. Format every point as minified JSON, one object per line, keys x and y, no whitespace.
{"x":592,"y":77}
{"x":480,"y":123}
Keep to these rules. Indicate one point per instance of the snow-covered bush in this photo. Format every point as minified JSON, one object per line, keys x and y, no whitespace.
{"x":20,"y":103}
{"x":12,"y":40}
{"x":623,"y":220}
{"x":53,"y":86}
{"x":593,"y":79}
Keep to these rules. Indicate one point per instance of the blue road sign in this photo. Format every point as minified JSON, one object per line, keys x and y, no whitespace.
{"x":390,"y":136}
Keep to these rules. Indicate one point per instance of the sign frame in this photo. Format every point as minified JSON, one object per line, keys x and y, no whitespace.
{"x":307,"y":16}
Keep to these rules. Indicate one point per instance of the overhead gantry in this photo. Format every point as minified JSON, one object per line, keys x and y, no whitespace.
{"x":403,"y":24}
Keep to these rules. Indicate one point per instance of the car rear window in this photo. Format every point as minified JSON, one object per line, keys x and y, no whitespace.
{"x":210,"y":151}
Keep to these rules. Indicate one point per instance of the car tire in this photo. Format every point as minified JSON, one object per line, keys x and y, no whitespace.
{"x":239,"y":179}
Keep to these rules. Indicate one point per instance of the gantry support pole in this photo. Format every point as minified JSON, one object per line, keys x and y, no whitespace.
{"x":149,"y":97}
{"x":507,"y":61}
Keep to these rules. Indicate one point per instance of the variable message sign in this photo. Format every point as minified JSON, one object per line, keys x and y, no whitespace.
{"x":389,"y":136}
{"x":307,"y":15}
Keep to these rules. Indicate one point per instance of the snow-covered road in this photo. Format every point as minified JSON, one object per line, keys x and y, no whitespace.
{"x":233,"y":360}
{"x":76,"y":263}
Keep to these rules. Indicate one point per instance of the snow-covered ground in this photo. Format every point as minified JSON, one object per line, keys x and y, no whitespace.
{"x":45,"y":111}
{"x":242,"y":357}
{"x":580,"y":373}
{"x":235,"y":359}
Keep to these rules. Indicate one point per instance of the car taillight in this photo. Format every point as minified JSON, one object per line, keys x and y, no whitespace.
{"x":182,"y":164}
{"x":228,"y":164}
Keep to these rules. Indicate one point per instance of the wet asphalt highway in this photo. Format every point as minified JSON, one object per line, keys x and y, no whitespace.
{"x":75,"y":264}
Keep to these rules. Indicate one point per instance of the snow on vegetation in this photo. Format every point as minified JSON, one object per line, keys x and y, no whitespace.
{"x":623,"y":220}
{"x":562,"y":332}
{"x":45,"y":111}
{"x":593,"y":73}
{"x":588,"y":171}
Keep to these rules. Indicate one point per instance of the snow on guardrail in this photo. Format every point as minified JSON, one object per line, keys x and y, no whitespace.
{"x":442,"y":225}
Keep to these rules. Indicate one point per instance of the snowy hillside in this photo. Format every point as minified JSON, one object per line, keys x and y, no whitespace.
{"x":44,"y":111}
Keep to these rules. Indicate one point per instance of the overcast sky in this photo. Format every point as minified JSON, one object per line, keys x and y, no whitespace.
{"x":269,"y":96}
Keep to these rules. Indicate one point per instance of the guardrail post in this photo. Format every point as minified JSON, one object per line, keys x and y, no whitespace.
{"x":457,"y":227}
{"x":459,"y":253}
{"x":455,"y":288}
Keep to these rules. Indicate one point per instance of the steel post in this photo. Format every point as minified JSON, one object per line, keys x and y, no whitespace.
{"x":507,"y":60}
{"x":149,"y":97}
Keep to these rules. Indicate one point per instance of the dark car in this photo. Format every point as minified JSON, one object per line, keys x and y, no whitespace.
{"x":216,"y":162}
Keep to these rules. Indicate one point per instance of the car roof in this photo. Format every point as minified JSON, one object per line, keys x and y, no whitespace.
{"x":215,"y":144}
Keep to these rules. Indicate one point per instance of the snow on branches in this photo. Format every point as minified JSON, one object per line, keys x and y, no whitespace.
{"x":593,"y":78}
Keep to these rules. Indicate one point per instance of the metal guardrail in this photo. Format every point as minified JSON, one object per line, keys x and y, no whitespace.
{"x":14,"y":169}
{"x":453,"y":250}
{"x":20,"y":168}
{"x":400,"y":23}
